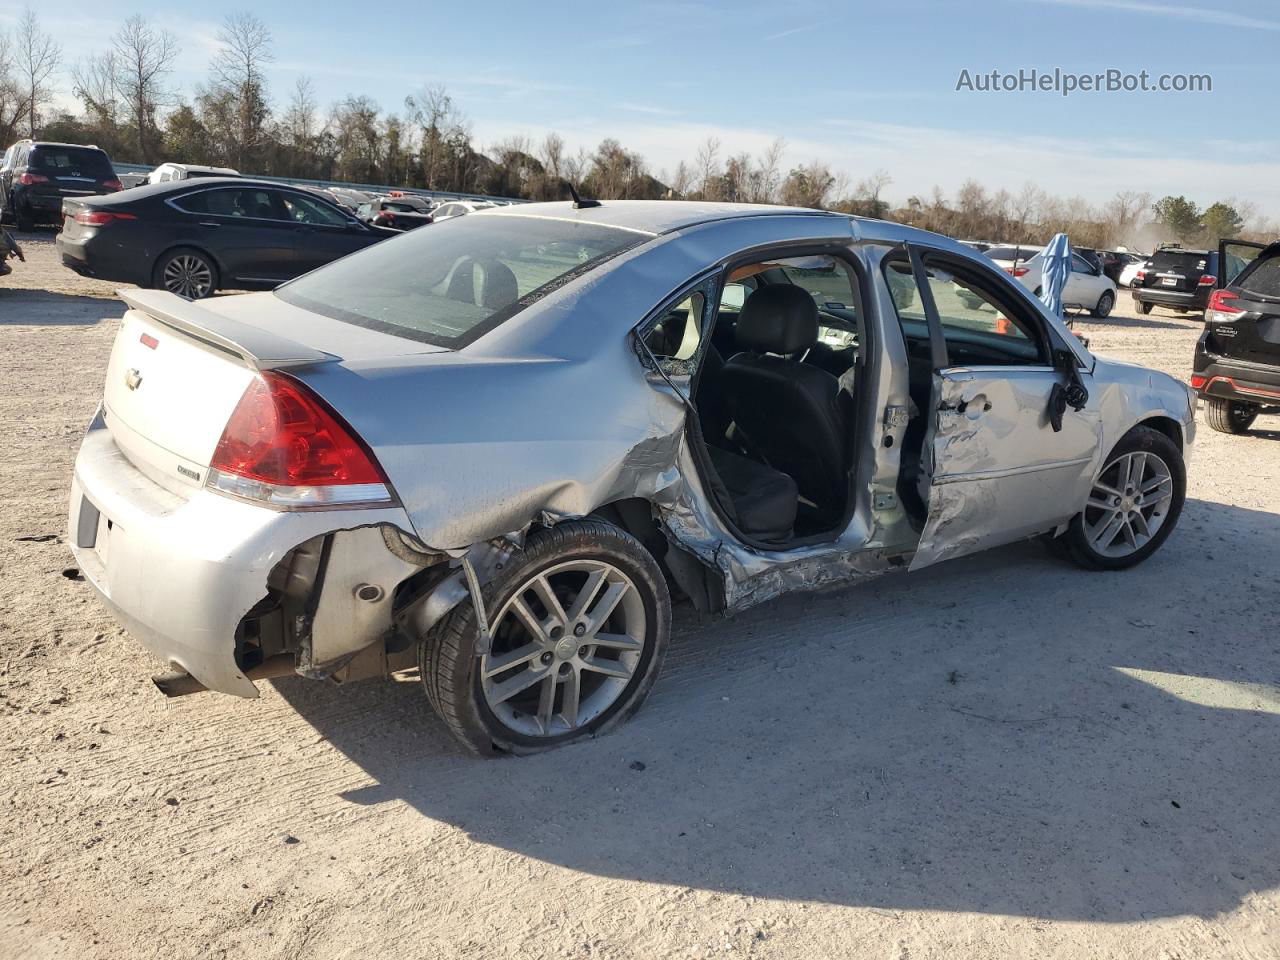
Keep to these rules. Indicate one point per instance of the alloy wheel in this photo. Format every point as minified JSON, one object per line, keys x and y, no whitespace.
{"x":1129,"y":503}
{"x":565,"y":647}
{"x":188,"y":276}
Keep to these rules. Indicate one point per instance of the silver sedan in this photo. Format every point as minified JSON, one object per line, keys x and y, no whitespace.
{"x":496,"y":450}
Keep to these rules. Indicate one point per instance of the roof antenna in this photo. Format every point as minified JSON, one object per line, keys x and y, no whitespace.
{"x":578,"y":202}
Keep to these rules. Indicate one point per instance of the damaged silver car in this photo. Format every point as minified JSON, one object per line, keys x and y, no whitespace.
{"x":496,"y":449}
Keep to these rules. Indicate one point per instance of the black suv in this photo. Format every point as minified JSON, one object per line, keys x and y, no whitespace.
{"x":1178,"y":279}
{"x":35,"y":176}
{"x":1237,"y":362}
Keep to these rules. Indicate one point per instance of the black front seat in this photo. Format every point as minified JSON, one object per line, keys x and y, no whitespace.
{"x":792,"y":414}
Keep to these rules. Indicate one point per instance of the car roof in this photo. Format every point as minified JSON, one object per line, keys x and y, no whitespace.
{"x":56,"y":143}
{"x":145,"y":190}
{"x":649,"y":216}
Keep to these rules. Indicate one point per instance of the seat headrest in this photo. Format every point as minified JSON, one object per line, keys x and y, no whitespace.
{"x":778,"y":318}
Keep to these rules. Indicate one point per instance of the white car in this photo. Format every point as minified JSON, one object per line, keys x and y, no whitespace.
{"x":1130,"y":271}
{"x":1087,"y":287}
{"x":1011,"y":259}
{"x":187,"y":171}
{"x":458,"y":208}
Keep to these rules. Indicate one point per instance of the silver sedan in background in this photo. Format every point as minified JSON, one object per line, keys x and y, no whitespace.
{"x":497,"y":449}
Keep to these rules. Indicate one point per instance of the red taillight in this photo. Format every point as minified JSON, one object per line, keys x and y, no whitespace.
{"x":1198,"y":380}
{"x":1140,"y":275}
{"x":27,"y":179}
{"x":285,"y":446}
{"x":100,"y":218}
{"x":1017,"y":271}
{"x":1207,"y":280}
{"x":112,"y":185}
{"x":1218,"y":302}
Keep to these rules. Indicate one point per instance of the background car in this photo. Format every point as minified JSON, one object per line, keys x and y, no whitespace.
{"x":36,"y":176}
{"x":187,"y":171}
{"x":1012,"y":259}
{"x":1133,"y":263}
{"x":1236,"y":370}
{"x":1087,"y":288}
{"x":347,"y":197}
{"x":396,"y":212}
{"x":379,"y":469}
{"x":1176,"y":278}
{"x":192,"y":237}
{"x":458,"y":208}
{"x":1108,"y":262}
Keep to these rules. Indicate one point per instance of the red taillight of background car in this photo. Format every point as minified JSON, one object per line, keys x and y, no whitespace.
{"x":100,"y":218}
{"x":1140,"y":276}
{"x":1207,"y":280}
{"x":284,"y":446}
{"x":1198,"y":380}
{"x":112,"y":185}
{"x":1017,"y":271}
{"x":27,"y":179}
{"x":1219,"y":302}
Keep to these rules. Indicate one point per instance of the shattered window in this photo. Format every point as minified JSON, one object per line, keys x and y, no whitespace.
{"x":456,"y":281}
{"x":675,"y":337}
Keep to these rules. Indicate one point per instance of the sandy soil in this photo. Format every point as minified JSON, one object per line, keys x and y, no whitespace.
{"x":1001,"y":757}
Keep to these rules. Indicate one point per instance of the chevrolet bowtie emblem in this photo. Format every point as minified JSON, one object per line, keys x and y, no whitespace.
{"x":133,"y":378}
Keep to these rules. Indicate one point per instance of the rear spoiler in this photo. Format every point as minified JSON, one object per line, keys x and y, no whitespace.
{"x":257,"y":348}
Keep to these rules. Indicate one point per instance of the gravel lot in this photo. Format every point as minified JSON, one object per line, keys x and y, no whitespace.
{"x":1000,"y":757}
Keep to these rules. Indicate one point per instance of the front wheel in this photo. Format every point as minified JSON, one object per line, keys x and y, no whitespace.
{"x":1133,"y":506}
{"x":1105,"y":303}
{"x":579,"y":623}
{"x":1229,"y":416}
{"x":188,"y":273}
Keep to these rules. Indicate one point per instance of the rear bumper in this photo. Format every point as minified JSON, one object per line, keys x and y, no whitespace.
{"x":95,"y":256}
{"x":180,"y":574}
{"x":1237,"y":380}
{"x":1193,"y":301}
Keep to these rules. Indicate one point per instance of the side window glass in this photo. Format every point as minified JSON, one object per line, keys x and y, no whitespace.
{"x":250,"y":204}
{"x":1079,"y":265}
{"x":733,"y":296}
{"x":675,"y":337}
{"x":305,"y":210}
{"x":981,"y":324}
{"x":197,"y":202}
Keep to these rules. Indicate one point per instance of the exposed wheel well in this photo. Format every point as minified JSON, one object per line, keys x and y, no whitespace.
{"x":1169,"y":427}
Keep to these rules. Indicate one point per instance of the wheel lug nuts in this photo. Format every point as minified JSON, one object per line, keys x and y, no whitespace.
{"x":580,"y":630}
{"x":546,"y":657}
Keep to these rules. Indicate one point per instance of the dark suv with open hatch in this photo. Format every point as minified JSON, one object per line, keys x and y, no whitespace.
{"x":1236,"y":370}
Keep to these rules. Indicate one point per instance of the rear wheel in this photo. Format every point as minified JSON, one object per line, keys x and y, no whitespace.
{"x":1133,"y":506}
{"x":1229,"y":416}
{"x":1105,"y":303}
{"x":1143,"y":307}
{"x":578,"y":637}
{"x":189,"y":273}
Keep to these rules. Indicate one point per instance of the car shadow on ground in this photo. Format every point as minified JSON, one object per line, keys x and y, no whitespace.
{"x":40,"y":308}
{"x":1003,"y":734}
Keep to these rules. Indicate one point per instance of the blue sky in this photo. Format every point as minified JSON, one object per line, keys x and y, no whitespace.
{"x":860,"y":85}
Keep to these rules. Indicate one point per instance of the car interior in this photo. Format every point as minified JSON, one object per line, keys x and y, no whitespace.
{"x":774,"y":391}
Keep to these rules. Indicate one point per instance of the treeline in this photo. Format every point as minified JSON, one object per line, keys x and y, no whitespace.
{"x":128,"y":107}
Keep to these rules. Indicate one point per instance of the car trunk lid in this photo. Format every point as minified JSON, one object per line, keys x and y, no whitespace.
{"x":1244,"y":319}
{"x":178,"y":369}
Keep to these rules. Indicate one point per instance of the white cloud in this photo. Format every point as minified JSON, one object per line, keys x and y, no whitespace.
{"x":1202,"y":14}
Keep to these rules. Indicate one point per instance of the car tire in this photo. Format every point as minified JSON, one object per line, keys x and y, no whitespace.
{"x":1144,"y":308}
{"x":1104,"y":305}
{"x":1089,"y":540}
{"x":187,"y":272}
{"x":23,"y":219}
{"x":468,"y":690}
{"x":1229,"y":416}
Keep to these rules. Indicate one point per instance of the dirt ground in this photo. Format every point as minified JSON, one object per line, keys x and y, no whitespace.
{"x":1000,"y":757}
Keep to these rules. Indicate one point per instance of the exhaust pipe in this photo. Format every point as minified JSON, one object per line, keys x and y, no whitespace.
{"x":179,"y":683}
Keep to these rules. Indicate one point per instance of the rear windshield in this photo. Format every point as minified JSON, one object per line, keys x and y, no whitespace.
{"x":71,"y":161}
{"x":1179,"y":261}
{"x":1263,"y":280}
{"x":457,"y":280}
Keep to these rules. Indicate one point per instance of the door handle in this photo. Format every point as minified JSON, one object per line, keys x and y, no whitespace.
{"x":209,"y":223}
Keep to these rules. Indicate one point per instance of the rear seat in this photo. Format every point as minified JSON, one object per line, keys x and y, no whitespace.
{"x":764,"y":500}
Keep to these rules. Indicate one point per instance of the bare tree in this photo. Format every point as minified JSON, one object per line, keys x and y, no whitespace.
{"x":38,"y":55}
{"x":440,"y":122}
{"x":299,"y":127}
{"x":94,"y":83}
{"x":143,"y":57}
{"x":768,"y":174}
{"x":238,"y":85}
{"x":552,"y":155}
{"x":13,"y":106}
{"x":707,"y":165}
